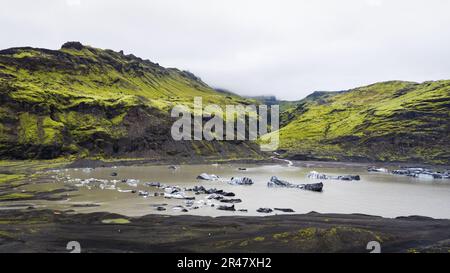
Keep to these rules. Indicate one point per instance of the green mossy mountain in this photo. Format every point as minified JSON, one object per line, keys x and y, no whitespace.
{"x":86,"y":101}
{"x":390,"y":121}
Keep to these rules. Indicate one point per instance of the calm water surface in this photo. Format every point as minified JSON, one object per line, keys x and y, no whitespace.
{"x":376,"y":193}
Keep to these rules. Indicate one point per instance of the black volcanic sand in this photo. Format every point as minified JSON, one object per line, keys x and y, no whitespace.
{"x":49,"y":231}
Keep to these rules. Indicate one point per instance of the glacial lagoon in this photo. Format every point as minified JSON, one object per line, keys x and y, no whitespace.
{"x":376,"y":193}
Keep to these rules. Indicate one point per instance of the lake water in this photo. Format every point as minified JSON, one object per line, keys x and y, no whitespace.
{"x":380,"y":194}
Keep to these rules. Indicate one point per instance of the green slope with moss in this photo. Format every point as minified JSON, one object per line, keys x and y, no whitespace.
{"x":86,"y":101}
{"x":389,"y":121}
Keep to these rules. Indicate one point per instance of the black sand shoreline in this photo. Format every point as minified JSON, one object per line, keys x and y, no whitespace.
{"x":50,"y":231}
{"x":96,"y":163}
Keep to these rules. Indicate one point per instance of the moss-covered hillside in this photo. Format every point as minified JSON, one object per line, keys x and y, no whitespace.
{"x":85,"y":101}
{"x":389,"y":121}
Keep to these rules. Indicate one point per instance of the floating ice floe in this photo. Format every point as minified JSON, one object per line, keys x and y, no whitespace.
{"x":132,"y":182}
{"x":172,"y":189}
{"x":87,"y":170}
{"x":422,"y":173}
{"x":143,"y":193}
{"x":377,"y":170}
{"x":180,"y":208}
{"x":240,"y":181}
{"x":316,"y":175}
{"x":154,"y":184}
{"x":176,"y":193}
{"x":275,"y":182}
{"x":125,"y":191}
{"x":107,"y":187}
{"x":205,"y":176}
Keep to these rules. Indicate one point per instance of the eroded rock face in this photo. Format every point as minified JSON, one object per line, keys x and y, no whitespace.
{"x":72,"y":45}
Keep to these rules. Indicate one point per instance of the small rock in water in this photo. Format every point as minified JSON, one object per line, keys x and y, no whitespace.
{"x":113,"y":174}
{"x":313,"y":187}
{"x":203,"y":190}
{"x":228,"y":194}
{"x":85,"y":205}
{"x":284,"y":210}
{"x":158,"y":205}
{"x":349,"y":177}
{"x":152,"y":184}
{"x":215,"y":196}
{"x":160,"y":208}
{"x":231,"y":200}
{"x":229,"y":208}
{"x":264,"y":210}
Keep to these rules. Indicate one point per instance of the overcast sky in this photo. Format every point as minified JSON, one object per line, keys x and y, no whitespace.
{"x":252,"y":47}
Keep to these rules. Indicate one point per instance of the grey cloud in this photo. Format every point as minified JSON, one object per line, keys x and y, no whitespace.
{"x":288,"y":48}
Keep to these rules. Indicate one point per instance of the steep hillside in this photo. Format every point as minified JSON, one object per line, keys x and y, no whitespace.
{"x":389,"y":121}
{"x":86,"y":101}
